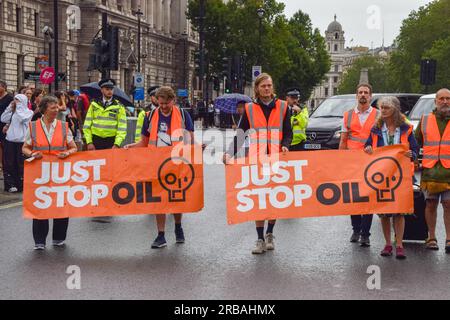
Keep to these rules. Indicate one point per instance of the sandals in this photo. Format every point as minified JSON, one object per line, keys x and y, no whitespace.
{"x":447,"y":246}
{"x":431,"y":244}
{"x":387,"y":251}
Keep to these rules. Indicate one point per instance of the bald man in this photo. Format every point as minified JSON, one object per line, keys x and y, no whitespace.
{"x":433,"y":134}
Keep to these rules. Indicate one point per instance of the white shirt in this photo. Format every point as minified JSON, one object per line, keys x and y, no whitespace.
{"x":49,"y":134}
{"x":363,"y":116}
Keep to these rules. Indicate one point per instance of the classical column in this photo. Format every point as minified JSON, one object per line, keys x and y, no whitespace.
{"x":149,"y":13}
{"x":158,"y":14}
{"x":167,"y":16}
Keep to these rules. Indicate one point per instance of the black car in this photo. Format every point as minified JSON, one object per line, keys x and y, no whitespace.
{"x":325,"y":123}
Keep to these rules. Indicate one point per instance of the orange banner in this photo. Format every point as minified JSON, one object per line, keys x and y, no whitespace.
{"x":320,"y":183}
{"x":115,"y":182}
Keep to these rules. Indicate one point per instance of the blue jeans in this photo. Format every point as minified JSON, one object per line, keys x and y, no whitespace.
{"x":362,"y":224}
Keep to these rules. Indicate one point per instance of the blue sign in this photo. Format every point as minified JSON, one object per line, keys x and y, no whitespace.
{"x":182,"y":93}
{"x":139,"y":94}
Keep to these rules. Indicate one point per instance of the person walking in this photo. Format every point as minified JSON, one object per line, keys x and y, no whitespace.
{"x":5,"y":100}
{"x":433,"y":133}
{"x":52,"y":137}
{"x":164,"y":127}
{"x":16,"y":116}
{"x":356,"y":127}
{"x":267,"y":111}
{"x":390,"y":129}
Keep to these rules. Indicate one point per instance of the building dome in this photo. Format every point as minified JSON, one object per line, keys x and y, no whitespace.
{"x":334,"y":26}
{"x":383,"y":54}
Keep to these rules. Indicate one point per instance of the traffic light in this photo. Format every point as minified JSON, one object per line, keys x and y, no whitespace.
{"x":113,"y":40}
{"x":428,"y":72}
{"x":197,"y":61}
{"x":106,"y":51}
{"x":227,"y":86}
{"x":216,"y":84}
{"x":226,"y":67}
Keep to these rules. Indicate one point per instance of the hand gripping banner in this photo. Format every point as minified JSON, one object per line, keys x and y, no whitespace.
{"x":115,"y":182}
{"x":320,"y":183}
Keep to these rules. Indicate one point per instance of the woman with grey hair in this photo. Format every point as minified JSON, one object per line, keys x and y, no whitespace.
{"x":392,"y":128}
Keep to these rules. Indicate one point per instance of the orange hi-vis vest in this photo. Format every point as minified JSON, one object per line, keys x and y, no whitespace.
{"x":435,"y":147}
{"x":40,"y":141}
{"x":265,"y":135}
{"x":403,"y":140}
{"x":358,"y":134}
{"x":177,"y":126}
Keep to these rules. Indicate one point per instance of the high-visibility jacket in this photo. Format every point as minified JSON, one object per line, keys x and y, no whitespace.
{"x":299,"y":122}
{"x":140,"y":124}
{"x":403,"y":140}
{"x":435,"y":147}
{"x":106,"y":122}
{"x":177,"y":126}
{"x":265,"y":136}
{"x":40,"y":141}
{"x":358,"y":134}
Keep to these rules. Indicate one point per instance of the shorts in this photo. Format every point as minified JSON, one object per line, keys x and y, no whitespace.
{"x":444,"y":196}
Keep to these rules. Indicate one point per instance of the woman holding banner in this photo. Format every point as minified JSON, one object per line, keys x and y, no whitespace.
{"x":267,"y":121}
{"x":392,"y":128}
{"x":52,"y":137}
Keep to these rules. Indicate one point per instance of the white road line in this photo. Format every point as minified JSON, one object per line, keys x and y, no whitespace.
{"x":11,"y":205}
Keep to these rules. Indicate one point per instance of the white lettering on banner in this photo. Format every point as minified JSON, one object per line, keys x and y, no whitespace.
{"x":280,"y":197}
{"x":76,"y":196}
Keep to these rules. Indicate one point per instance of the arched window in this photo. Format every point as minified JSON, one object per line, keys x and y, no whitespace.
{"x":335,"y":48}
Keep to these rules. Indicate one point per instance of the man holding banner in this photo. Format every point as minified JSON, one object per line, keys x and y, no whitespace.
{"x":52,"y":137}
{"x":267,"y":122}
{"x":165,"y":126}
{"x":355,"y":131}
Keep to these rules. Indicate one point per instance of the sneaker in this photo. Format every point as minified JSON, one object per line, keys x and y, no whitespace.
{"x":364,"y":241}
{"x":400,"y":253}
{"x":59,"y":243}
{"x":13,"y":190}
{"x":179,"y":235}
{"x":260,"y":247}
{"x":160,"y":242}
{"x":270,"y":245}
{"x":387,"y":251}
{"x":355,"y":237}
{"x":39,"y":247}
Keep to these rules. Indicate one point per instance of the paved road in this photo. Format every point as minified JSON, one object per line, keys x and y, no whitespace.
{"x":313,"y":260}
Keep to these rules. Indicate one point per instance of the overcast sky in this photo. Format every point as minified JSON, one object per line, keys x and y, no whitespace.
{"x":362,"y":20}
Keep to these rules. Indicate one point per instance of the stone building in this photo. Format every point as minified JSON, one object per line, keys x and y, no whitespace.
{"x":167,"y":41}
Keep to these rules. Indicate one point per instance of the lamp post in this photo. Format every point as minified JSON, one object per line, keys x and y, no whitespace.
{"x":56,"y":43}
{"x":260,"y":13}
{"x":139,"y":13}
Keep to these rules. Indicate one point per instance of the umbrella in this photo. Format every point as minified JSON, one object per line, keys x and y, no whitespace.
{"x":93,"y":91}
{"x":228,"y":102}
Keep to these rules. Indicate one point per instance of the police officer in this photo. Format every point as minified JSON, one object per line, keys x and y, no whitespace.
{"x":299,"y":119}
{"x":105,"y":126}
{"x":141,"y":117}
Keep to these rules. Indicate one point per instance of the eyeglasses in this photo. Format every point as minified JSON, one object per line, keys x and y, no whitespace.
{"x":444,"y":99}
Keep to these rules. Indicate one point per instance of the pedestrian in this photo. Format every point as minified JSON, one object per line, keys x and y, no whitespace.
{"x":144,"y":112}
{"x":433,"y":133}
{"x":267,"y":111}
{"x":393,"y":128}
{"x":236,"y":117}
{"x":83,"y":103}
{"x":36,"y":99}
{"x":355,"y":131}
{"x":16,"y":116}
{"x":29,"y":94}
{"x":299,"y":119}
{"x":52,"y":137}
{"x":211,"y":111}
{"x":62,"y":105}
{"x":5,"y":100}
{"x":162,"y":128}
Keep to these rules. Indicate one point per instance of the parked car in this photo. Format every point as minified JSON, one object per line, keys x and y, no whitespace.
{"x":324,"y":127}
{"x":424,"y":106}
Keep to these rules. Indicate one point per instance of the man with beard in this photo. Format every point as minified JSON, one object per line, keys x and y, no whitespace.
{"x":433,"y":133}
{"x":355,"y":131}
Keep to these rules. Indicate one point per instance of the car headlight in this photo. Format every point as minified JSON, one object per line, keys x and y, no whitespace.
{"x":337,"y":135}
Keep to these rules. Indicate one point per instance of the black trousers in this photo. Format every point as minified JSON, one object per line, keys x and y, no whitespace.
{"x":13,"y":165}
{"x":41,"y":227}
{"x":361,"y":224}
{"x":103,"y":143}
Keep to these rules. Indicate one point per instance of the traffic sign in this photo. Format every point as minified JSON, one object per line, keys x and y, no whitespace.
{"x":182,"y":93}
{"x":43,"y":62}
{"x":138,"y":80}
{"x":256,"y":71}
{"x":139,"y":94}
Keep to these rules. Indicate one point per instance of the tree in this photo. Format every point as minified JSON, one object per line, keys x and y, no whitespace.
{"x":379,"y":75}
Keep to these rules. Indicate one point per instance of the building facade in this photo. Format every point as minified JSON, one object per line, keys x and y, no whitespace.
{"x":167,"y":41}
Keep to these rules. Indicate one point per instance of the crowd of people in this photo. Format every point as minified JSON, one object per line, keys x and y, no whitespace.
{"x":33,"y":124}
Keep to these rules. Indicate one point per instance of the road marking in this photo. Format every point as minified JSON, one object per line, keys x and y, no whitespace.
{"x":11,"y":205}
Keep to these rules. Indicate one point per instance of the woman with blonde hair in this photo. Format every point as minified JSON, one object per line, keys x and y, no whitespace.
{"x":392,"y":128}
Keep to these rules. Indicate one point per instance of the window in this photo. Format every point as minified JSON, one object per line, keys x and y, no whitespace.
{"x":335,"y":79}
{"x":2,"y":8}
{"x":37,"y":24}
{"x":336,"y":68}
{"x":336,"y":36}
{"x":2,"y":63}
{"x":335,"y":48}
{"x":20,"y":69}
{"x":326,"y":92}
{"x":19,"y":20}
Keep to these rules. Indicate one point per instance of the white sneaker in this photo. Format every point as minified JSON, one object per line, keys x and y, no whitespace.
{"x":270,"y":244}
{"x":57,"y":243}
{"x":13,"y":190}
{"x":39,"y":247}
{"x":260,"y":247}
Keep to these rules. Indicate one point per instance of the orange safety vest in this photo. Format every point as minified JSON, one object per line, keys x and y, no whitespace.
{"x":40,"y":141}
{"x":357,"y":134}
{"x":403,"y":140}
{"x":265,"y":135}
{"x":435,"y":147}
{"x":177,"y":126}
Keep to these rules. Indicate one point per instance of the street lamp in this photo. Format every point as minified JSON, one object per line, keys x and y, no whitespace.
{"x":260,"y":13}
{"x":139,"y":13}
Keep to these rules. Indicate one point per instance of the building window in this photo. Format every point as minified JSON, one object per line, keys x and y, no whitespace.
{"x":336,"y":68}
{"x":326,"y":92}
{"x":20,"y":69}
{"x":2,"y":63}
{"x":336,"y":36}
{"x":104,"y":2}
{"x":19,"y":20}
{"x":37,"y":24}
{"x":2,"y":8}
{"x":335,"y":48}
{"x":335,"y":79}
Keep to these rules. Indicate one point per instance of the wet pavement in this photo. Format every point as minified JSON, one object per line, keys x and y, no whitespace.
{"x":313,"y":259}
